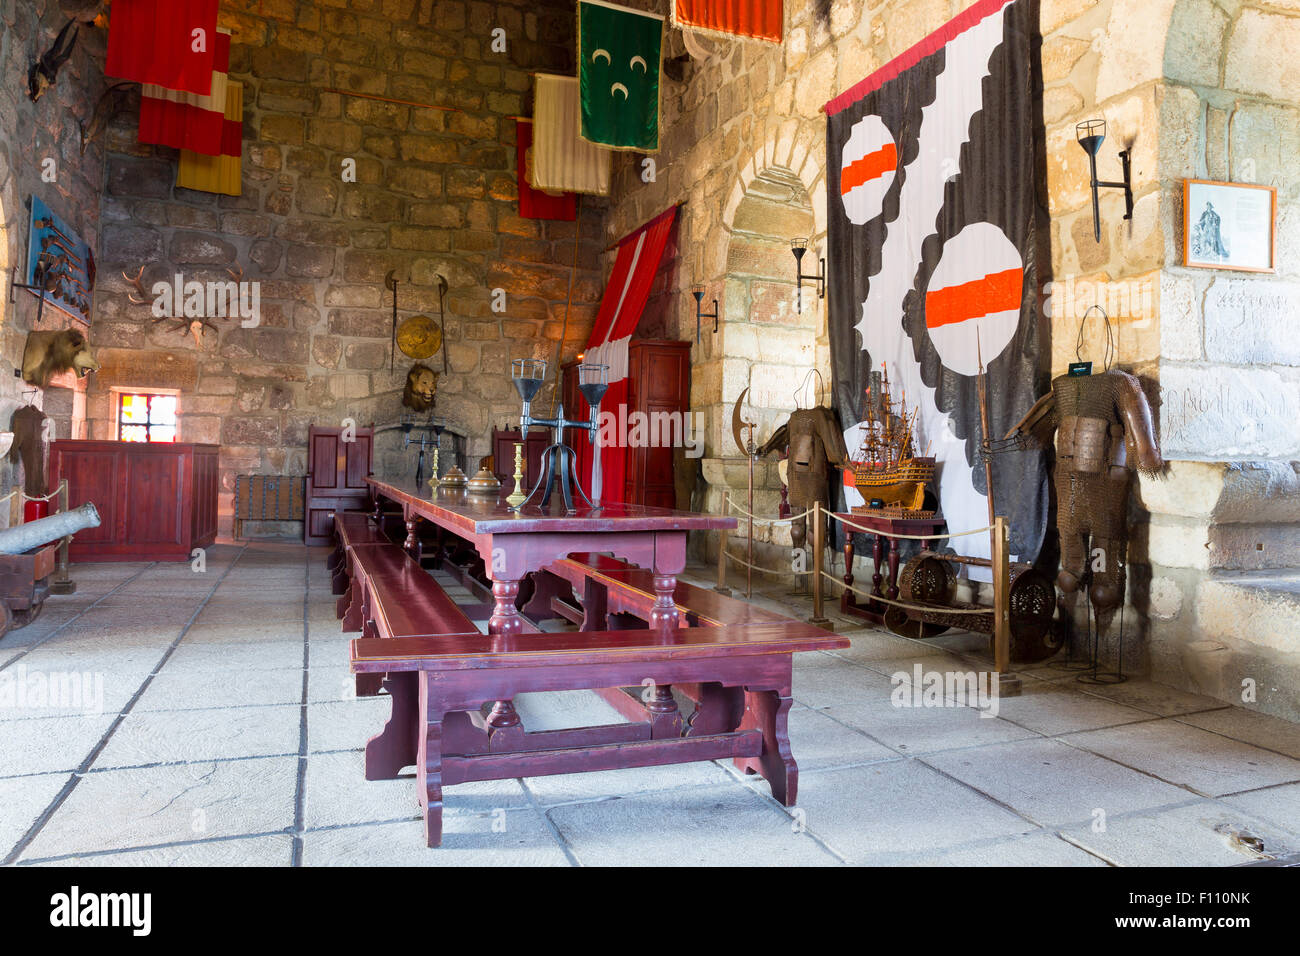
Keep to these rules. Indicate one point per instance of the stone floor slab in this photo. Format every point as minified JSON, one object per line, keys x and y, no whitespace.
{"x":1190,"y":757}
{"x":896,"y":807}
{"x":24,"y":799}
{"x":190,"y":688}
{"x":259,"y":851}
{"x":710,"y":826}
{"x":1204,"y":833}
{"x":918,"y":730}
{"x":1054,"y":784}
{"x":49,"y":744}
{"x":1262,"y":730}
{"x":518,"y":837}
{"x":1278,"y":805}
{"x":124,"y":809}
{"x":146,"y":737}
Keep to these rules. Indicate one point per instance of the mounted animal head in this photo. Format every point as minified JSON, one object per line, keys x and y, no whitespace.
{"x":45,"y":71}
{"x":421,"y":388}
{"x":50,"y":353}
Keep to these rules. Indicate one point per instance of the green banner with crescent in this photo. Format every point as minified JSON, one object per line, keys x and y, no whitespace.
{"x":618,"y":75}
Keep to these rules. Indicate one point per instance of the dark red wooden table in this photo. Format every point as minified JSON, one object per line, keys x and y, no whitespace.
{"x":516,"y":543}
{"x":883,"y":550}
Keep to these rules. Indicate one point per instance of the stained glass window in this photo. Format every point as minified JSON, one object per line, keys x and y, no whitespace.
{"x":146,"y":418}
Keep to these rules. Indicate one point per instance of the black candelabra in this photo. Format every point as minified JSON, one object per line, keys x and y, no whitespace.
{"x":558,"y":460}
{"x":424,"y":440}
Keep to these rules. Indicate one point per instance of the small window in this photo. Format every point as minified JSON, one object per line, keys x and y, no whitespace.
{"x":146,"y":417}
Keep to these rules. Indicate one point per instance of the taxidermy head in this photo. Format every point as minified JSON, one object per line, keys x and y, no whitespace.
{"x":50,"y":353}
{"x":421,"y":387}
{"x":45,"y":71}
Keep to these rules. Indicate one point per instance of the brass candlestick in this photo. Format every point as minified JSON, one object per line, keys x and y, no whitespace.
{"x":518,"y":496}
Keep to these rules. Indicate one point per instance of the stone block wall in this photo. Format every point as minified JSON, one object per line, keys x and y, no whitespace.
{"x":31,"y":133}
{"x":435,"y":194}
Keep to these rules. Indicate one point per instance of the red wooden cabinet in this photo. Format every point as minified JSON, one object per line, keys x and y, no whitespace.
{"x":659,"y":381}
{"x":338,"y":462}
{"x":659,"y":386}
{"x":156,"y":502}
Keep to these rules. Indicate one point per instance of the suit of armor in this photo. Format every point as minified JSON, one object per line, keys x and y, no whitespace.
{"x":1103,"y":429}
{"x":814,"y":440}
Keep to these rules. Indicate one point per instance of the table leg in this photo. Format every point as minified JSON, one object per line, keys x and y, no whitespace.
{"x":664,"y":612}
{"x":893,"y":569}
{"x":503,"y":723}
{"x":394,"y":747}
{"x":877,"y":556}
{"x":846,"y":599}
{"x":428,"y":765}
{"x":768,"y":711}
{"x":412,"y":544}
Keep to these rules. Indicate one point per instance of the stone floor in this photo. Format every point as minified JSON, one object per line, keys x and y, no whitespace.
{"x":227,"y":733}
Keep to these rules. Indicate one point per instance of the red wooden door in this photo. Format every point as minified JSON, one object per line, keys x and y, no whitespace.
{"x":338,"y":462}
{"x":660,"y":388}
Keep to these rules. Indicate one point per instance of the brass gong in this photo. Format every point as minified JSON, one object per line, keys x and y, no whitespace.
{"x":419,"y":337}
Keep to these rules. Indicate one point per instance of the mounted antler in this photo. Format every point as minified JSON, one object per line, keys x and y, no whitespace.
{"x":237,"y":276}
{"x":139,"y":287}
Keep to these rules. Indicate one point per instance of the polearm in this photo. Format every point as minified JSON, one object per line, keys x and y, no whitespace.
{"x":998,"y":539}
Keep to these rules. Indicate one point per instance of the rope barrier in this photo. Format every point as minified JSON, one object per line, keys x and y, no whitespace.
{"x":763,"y":570}
{"x":758,"y":520}
{"x":910,"y":537}
{"x":904,"y":604}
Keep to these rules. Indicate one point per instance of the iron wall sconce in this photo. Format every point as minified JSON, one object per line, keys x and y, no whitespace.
{"x":1091,"y":134}
{"x":698,"y":292}
{"x":799,"y":247}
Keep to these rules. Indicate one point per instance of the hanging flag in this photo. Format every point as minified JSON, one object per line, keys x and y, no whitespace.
{"x":933,"y":229}
{"x":562,"y":160}
{"x":619,"y":63}
{"x":757,"y":19}
{"x":169,"y":43}
{"x":219,"y":174}
{"x":635,"y":267}
{"x":187,"y":120}
{"x":534,"y":203}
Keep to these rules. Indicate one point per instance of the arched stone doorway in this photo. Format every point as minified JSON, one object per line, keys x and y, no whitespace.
{"x":765,"y":343}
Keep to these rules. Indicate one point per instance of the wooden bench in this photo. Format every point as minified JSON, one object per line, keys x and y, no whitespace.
{"x":613,"y":587}
{"x":392,"y":597}
{"x":351,"y":528}
{"x":437,"y":724}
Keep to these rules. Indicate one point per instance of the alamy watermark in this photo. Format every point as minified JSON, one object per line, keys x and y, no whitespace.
{"x":21,"y":689}
{"x":209,"y":300}
{"x":922,"y":688}
{"x":1130,"y":300}
{"x":637,"y":429}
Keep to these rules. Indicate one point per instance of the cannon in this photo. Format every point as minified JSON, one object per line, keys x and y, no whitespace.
{"x":27,"y":562}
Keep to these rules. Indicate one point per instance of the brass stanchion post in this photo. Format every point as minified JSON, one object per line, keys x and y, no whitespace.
{"x":62,"y":583}
{"x":1008,"y":683}
{"x":819,"y":550}
{"x":721,"y":586}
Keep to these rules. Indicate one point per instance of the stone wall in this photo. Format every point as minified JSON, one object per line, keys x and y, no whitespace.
{"x":1192,"y":88}
{"x":30,"y":133}
{"x":435,"y":193}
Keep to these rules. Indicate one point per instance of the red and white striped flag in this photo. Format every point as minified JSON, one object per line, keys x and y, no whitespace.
{"x":187,"y":120}
{"x":168,"y":43}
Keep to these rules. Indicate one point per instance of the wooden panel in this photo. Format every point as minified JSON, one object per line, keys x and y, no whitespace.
{"x":155,"y":497}
{"x":336,"y":478}
{"x":157,"y":502}
{"x":660,"y":384}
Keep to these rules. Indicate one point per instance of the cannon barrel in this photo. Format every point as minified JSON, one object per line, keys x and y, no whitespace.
{"x":25,"y":537}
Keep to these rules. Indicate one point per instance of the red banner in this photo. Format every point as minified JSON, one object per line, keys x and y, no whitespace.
{"x":186,"y":120}
{"x":534,"y":203}
{"x":169,"y":43}
{"x":759,"y":19}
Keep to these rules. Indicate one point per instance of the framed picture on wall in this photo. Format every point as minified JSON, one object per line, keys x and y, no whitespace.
{"x":1229,"y":226}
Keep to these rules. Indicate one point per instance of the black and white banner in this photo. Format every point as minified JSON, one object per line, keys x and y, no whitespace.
{"x":935,"y":230}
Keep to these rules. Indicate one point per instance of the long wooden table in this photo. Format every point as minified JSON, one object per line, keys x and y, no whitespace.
{"x":514,"y":544}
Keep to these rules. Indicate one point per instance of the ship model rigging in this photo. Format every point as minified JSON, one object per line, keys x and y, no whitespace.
{"x":888,"y":472}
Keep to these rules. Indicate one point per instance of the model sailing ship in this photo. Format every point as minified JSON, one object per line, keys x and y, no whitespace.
{"x":887,"y":471}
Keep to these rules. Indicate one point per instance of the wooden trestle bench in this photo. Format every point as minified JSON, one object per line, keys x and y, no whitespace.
{"x":441,"y":672}
{"x":745,"y":673}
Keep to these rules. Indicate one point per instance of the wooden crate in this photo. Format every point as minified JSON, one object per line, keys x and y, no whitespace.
{"x":267,"y":498}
